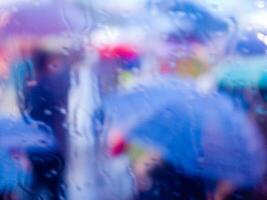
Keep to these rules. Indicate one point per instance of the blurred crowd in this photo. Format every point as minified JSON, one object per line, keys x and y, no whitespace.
{"x":139,"y":101}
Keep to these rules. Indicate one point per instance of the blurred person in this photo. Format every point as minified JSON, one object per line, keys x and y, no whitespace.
{"x":185,"y":57}
{"x":166,"y":182}
{"x":42,"y":84}
{"x":115,"y":64}
{"x":159,"y":179}
{"x":190,"y":56}
{"x":154,"y":177}
{"x":253,"y":101}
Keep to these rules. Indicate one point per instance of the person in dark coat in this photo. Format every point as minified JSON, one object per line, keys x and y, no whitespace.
{"x":170,"y":183}
{"x":42,"y":92}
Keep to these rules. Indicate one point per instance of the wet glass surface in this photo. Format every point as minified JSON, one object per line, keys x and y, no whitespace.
{"x":133,"y":100}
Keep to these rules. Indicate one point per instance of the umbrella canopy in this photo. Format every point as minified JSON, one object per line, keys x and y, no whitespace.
{"x":17,"y":134}
{"x":194,"y":22}
{"x":48,"y":17}
{"x":10,"y":173}
{"x":203,"y":134}
{"x":252,"y":43}
{"x":117,"y":109}
{"x":242,"y":72}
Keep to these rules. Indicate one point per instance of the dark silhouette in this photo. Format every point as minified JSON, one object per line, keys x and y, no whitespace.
{"x":43,"y":97}
{"x":170,"y":183}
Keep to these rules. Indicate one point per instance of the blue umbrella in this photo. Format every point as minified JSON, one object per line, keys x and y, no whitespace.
{"x":199,"y":23}
{"x":11,"y":174}
{"x":203,"y":134}
{"x":129,"y":106}
{"x":17,"y":134}
{"x":251,"y":43}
